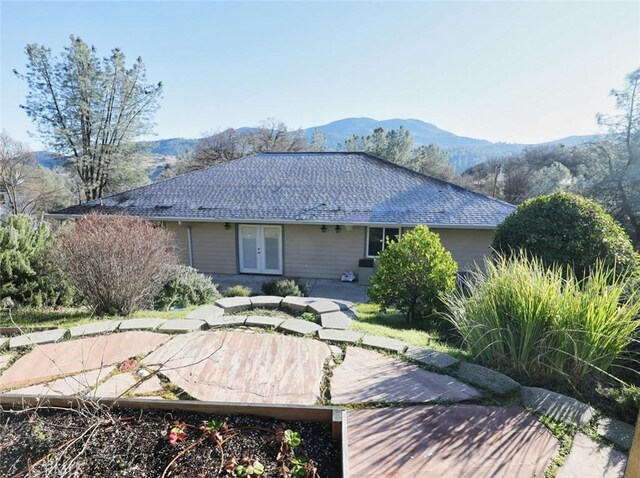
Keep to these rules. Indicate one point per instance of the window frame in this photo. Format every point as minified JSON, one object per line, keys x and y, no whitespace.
{"x":384,"y":228}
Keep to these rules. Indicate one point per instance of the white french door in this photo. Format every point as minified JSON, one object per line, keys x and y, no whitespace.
{"x":260,"y":249}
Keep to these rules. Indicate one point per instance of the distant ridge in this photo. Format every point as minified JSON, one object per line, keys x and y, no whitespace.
{"x":464,"y":152}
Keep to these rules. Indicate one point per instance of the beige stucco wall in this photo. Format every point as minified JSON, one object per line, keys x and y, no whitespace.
{"x":467,"y":246}
{"x":213,"y":246}
{"x":309,"y":252}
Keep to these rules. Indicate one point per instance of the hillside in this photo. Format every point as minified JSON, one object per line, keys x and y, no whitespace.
{"x":464,"y":152}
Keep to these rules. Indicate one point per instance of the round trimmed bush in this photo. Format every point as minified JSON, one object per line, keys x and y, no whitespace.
{"x":282,"y":287}
{"x":413,"y":274}
{"x":566,"y":229}
{"x":188,"y":287}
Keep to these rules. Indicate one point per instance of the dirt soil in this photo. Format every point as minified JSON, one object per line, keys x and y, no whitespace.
{"x":134,"y":443}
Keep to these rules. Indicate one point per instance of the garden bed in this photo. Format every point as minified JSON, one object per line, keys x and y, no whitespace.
{"x":96,"y":440}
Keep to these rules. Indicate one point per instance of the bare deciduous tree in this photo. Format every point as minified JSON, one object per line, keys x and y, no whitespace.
{"x":29,"y":187}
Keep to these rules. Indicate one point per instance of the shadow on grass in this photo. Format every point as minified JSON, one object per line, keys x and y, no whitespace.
{"x":44,"y":317}
{"x":391,"y":323}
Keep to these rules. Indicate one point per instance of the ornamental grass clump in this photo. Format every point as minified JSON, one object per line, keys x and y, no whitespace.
{"x":521,"y":315}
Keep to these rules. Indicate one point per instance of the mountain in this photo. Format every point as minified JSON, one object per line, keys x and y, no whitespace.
{"x":464,"y":152}
{"x":423,"y":133}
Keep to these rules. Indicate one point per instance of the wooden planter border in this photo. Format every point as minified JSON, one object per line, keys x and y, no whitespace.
{"x":334,"y":416}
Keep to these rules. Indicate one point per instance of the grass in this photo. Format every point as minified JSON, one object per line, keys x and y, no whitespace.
{"x":68,"y":317}
{"x":392,"y":324}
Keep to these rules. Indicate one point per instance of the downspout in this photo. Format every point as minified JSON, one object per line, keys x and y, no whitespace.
{"x":190,"y":246}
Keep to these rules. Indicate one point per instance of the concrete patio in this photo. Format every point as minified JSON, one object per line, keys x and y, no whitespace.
{"x":326,"y":288}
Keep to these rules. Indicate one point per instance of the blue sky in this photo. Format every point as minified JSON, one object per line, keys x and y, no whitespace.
{"x":503,"y":71}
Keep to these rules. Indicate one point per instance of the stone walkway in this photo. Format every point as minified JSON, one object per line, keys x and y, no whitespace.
{"x":236,"y":361}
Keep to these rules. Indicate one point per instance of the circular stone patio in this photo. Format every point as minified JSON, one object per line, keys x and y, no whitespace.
{"x":239,"y":359}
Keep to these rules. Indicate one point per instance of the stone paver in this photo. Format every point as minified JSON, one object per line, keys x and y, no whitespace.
{"x":431,"y":358}
{"x":335,"y":320}
{"x":115,"y":386}
{"x":448,"y":441}
{"x":37,"y":338}
{"x":73,"y":385}
{"x":299,"y":326}
{"x":52,"y":361}
{"x":151,"y":385}
{"x":297,"y":304}
{"x":343,"y":336}
{"x":234,"y":304}
{"x":262,"y":321}
{"x":94,"y":328}
{"x":589,"y":459}
{"x":126,"y":382}
{"x":487,"y":378}
{"x":4,"y":341}
{"x":266,"y":301}
{"x":368,"y":376}
{"x":206,"y":312}
{"x":4,"y":360}
{"x":559,"y":407}
{"x":615,"y":431}
{"x":141,"y":324}
{"x":392,"y":345}
{"x":242,"y":366}
{"x":226,"y":321}
{"x":323,"y":307}
{"x":181,"y":325}
{"x":335,"y":350}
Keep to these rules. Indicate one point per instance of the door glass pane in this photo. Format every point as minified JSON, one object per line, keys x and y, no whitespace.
{"x":391,"y":234}
{"x":272,"y":248}
{"x":375,"y":241}
{"x":249,"y":247}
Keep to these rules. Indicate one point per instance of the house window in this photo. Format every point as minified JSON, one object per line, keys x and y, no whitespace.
{"x":378,"y":237}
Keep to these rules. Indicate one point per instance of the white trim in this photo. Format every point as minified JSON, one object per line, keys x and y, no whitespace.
{"x":383,"y":236}
{"x":260,"y":246}
{"x":301,"y":222}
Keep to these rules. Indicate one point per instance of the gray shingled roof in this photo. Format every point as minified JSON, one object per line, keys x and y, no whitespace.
{"x":331,"y":188}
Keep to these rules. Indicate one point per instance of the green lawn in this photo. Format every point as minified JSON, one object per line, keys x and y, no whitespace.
{"x":67,"y":317}
{"x":392,"y":324}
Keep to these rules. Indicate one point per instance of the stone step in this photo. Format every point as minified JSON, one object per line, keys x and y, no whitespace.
{"x":558,"y":406}
{"x":141,"y":324}
{"x":37,"y":338}
{"x":487,"y":378}
{"x":431,"y":358}
{"x":392,"y":345}
{"x":266,"y":302}
{"x":323,"y":306}
{"x":206,"y":312}
{"x":181,"y":325}
{"x":299,"y":326}
{"x":344,"y":336}
{"x":335,"y":320}
{"x":94,"y":328}
{"x":234,"y":304}
{"x":261,"y":321}
{"x":590,"y":459}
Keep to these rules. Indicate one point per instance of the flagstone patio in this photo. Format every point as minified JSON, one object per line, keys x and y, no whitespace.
{"x":235,"y":363}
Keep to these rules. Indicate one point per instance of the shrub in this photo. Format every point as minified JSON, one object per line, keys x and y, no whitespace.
{"x":566,"y":229}
{"x":237,"y":291}
{"x":28,"y":274}
{"x":412,"y":274}
{"x":187,"y":287}
{"x":118,"y":263}
{"x":282,"y":287}
{"x":523,"y":315}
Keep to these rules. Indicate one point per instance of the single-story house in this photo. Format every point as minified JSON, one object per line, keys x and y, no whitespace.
{"x":305,"y":214}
